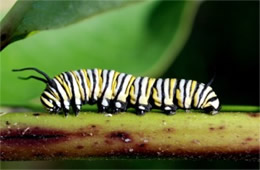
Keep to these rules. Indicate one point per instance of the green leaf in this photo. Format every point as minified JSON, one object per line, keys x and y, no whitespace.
{"x":141,"y":39}
{"x":28,"y":16}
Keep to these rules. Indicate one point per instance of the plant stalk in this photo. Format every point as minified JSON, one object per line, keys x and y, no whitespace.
{"x":43,"y":136}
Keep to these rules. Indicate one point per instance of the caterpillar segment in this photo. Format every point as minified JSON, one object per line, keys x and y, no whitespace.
{"x":106,"y":92}
{"x":163,"y":95}
{"x":121,"y":91}
{"x":140,"y":94}
{"x":115,"y":92}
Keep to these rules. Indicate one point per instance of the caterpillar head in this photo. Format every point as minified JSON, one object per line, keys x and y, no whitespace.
{"x":49,"y":98}
{"x":50,"y":101}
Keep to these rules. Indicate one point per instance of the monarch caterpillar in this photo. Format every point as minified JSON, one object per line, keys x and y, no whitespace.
{"x":115,"y":92}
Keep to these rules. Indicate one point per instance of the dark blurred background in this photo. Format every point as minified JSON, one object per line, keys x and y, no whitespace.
{"x":225,"y":40}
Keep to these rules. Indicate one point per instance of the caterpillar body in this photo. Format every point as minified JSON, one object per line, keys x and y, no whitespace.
{"x":116,"y":92}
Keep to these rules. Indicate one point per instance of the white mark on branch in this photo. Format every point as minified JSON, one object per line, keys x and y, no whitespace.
{"x":196,"y":141}
{"x":146,"y":141}
{"x":131,"y":150}
{"x":127,"y":140}
{"x":25,"y":130}
{"x":164,"y":122}
{"x":108,"y":115}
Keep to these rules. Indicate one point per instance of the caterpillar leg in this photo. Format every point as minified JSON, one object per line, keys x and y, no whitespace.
{"x":76,"y":109}
{"x":103,"y":106}
{"x":170,"y":110}
{"x":66,"y":112}
{"x":119,"y":107}
{"x":140,"y":112}
{"x":210,"y":110}
{"x":102,"y":109}
{"x":142,"y":109}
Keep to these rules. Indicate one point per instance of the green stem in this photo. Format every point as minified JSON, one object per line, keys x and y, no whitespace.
{"x":43,"y":136}
{"x":237,"y":108}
